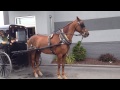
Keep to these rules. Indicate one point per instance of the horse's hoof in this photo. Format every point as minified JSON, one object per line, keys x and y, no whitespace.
{"x":36,"y":75}
{"x":59,"y":77}
{"x":40,"y":73}
{"x":64,"y":77}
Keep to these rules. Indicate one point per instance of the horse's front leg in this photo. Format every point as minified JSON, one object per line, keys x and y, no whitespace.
{"x":59,"y":59}
{"x":63,"y":66}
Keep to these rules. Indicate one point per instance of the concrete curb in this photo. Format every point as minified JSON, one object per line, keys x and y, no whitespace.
{"x":85,"y":65}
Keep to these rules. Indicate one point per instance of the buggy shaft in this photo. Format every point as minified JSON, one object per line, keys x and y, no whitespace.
{"x":34,"y":49}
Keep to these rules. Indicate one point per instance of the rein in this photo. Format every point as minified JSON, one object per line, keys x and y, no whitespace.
{"x":81,"y":40}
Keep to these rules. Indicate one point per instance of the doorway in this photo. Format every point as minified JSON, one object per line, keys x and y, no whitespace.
{"x":30,"y":31}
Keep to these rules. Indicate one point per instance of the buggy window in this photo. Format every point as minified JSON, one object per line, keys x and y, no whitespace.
{"x":18,"y":35}
{"x":21,"y":35}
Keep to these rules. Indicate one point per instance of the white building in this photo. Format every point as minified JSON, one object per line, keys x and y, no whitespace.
{"x":104,"y":27}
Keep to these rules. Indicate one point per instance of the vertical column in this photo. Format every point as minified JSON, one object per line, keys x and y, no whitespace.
{"x":6,"y":17}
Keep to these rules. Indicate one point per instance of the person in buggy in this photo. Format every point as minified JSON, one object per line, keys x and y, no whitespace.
{"x":3,"y":37}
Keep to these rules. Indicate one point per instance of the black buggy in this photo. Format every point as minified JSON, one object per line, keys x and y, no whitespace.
{"x":12,"y":38}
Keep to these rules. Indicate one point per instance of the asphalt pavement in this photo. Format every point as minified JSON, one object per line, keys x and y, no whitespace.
{"x":72,"y":71}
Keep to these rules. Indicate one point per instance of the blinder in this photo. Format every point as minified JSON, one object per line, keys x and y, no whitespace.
{"x":81,"y":24}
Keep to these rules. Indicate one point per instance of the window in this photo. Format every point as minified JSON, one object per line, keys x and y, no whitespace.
{"x":21,"y":35}
{"x":1,"y":18}
{"x":28,"y":21}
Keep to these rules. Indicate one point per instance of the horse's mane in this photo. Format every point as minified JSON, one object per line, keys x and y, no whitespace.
{"x":68,"y":24}
{"x":67,"y":27}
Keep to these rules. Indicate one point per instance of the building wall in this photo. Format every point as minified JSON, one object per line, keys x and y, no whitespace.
{"x":41,"y":20}
{"x":70,"y":15}
{"x":50,"y":27}
{"x":103,"y":26}
{"x":6,"y":17}
{"x":1,"y":18}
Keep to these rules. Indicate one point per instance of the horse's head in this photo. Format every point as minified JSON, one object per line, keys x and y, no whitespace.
{"x":80,"y":27}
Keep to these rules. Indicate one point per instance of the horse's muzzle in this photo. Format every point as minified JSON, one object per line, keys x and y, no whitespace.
{"x":85,"y":35}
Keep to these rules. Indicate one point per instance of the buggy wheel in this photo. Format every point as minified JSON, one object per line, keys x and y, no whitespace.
{"x":5,"y":65}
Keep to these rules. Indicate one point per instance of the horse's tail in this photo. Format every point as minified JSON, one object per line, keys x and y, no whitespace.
{"x":29,"y":53}
{"x":29,"y":43}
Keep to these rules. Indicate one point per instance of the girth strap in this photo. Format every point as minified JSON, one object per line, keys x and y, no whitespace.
{"x":49,"y":43}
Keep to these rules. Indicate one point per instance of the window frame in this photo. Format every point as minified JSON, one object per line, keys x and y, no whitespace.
{"x":26,"y":25}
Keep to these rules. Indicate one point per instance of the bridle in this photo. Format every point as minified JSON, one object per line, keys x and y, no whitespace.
{"x":82,"y":26}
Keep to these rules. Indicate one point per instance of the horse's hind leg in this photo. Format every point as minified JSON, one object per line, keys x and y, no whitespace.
{"x":33,"y":63}
{"x":38,"y":63}
{"x":29,"y":58}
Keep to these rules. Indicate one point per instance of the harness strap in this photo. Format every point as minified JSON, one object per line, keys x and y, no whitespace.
{"x":49,"y":44}
{"x":64,"y":38}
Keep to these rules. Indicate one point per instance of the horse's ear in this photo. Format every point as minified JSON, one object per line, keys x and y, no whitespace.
{"x":78,"y":18}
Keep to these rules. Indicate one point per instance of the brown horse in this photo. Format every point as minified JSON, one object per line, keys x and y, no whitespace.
{"x":63,"y":37}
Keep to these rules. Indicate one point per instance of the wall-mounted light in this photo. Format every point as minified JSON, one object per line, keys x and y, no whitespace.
{"x":50,"y":16}
{"x":51,"y":25}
